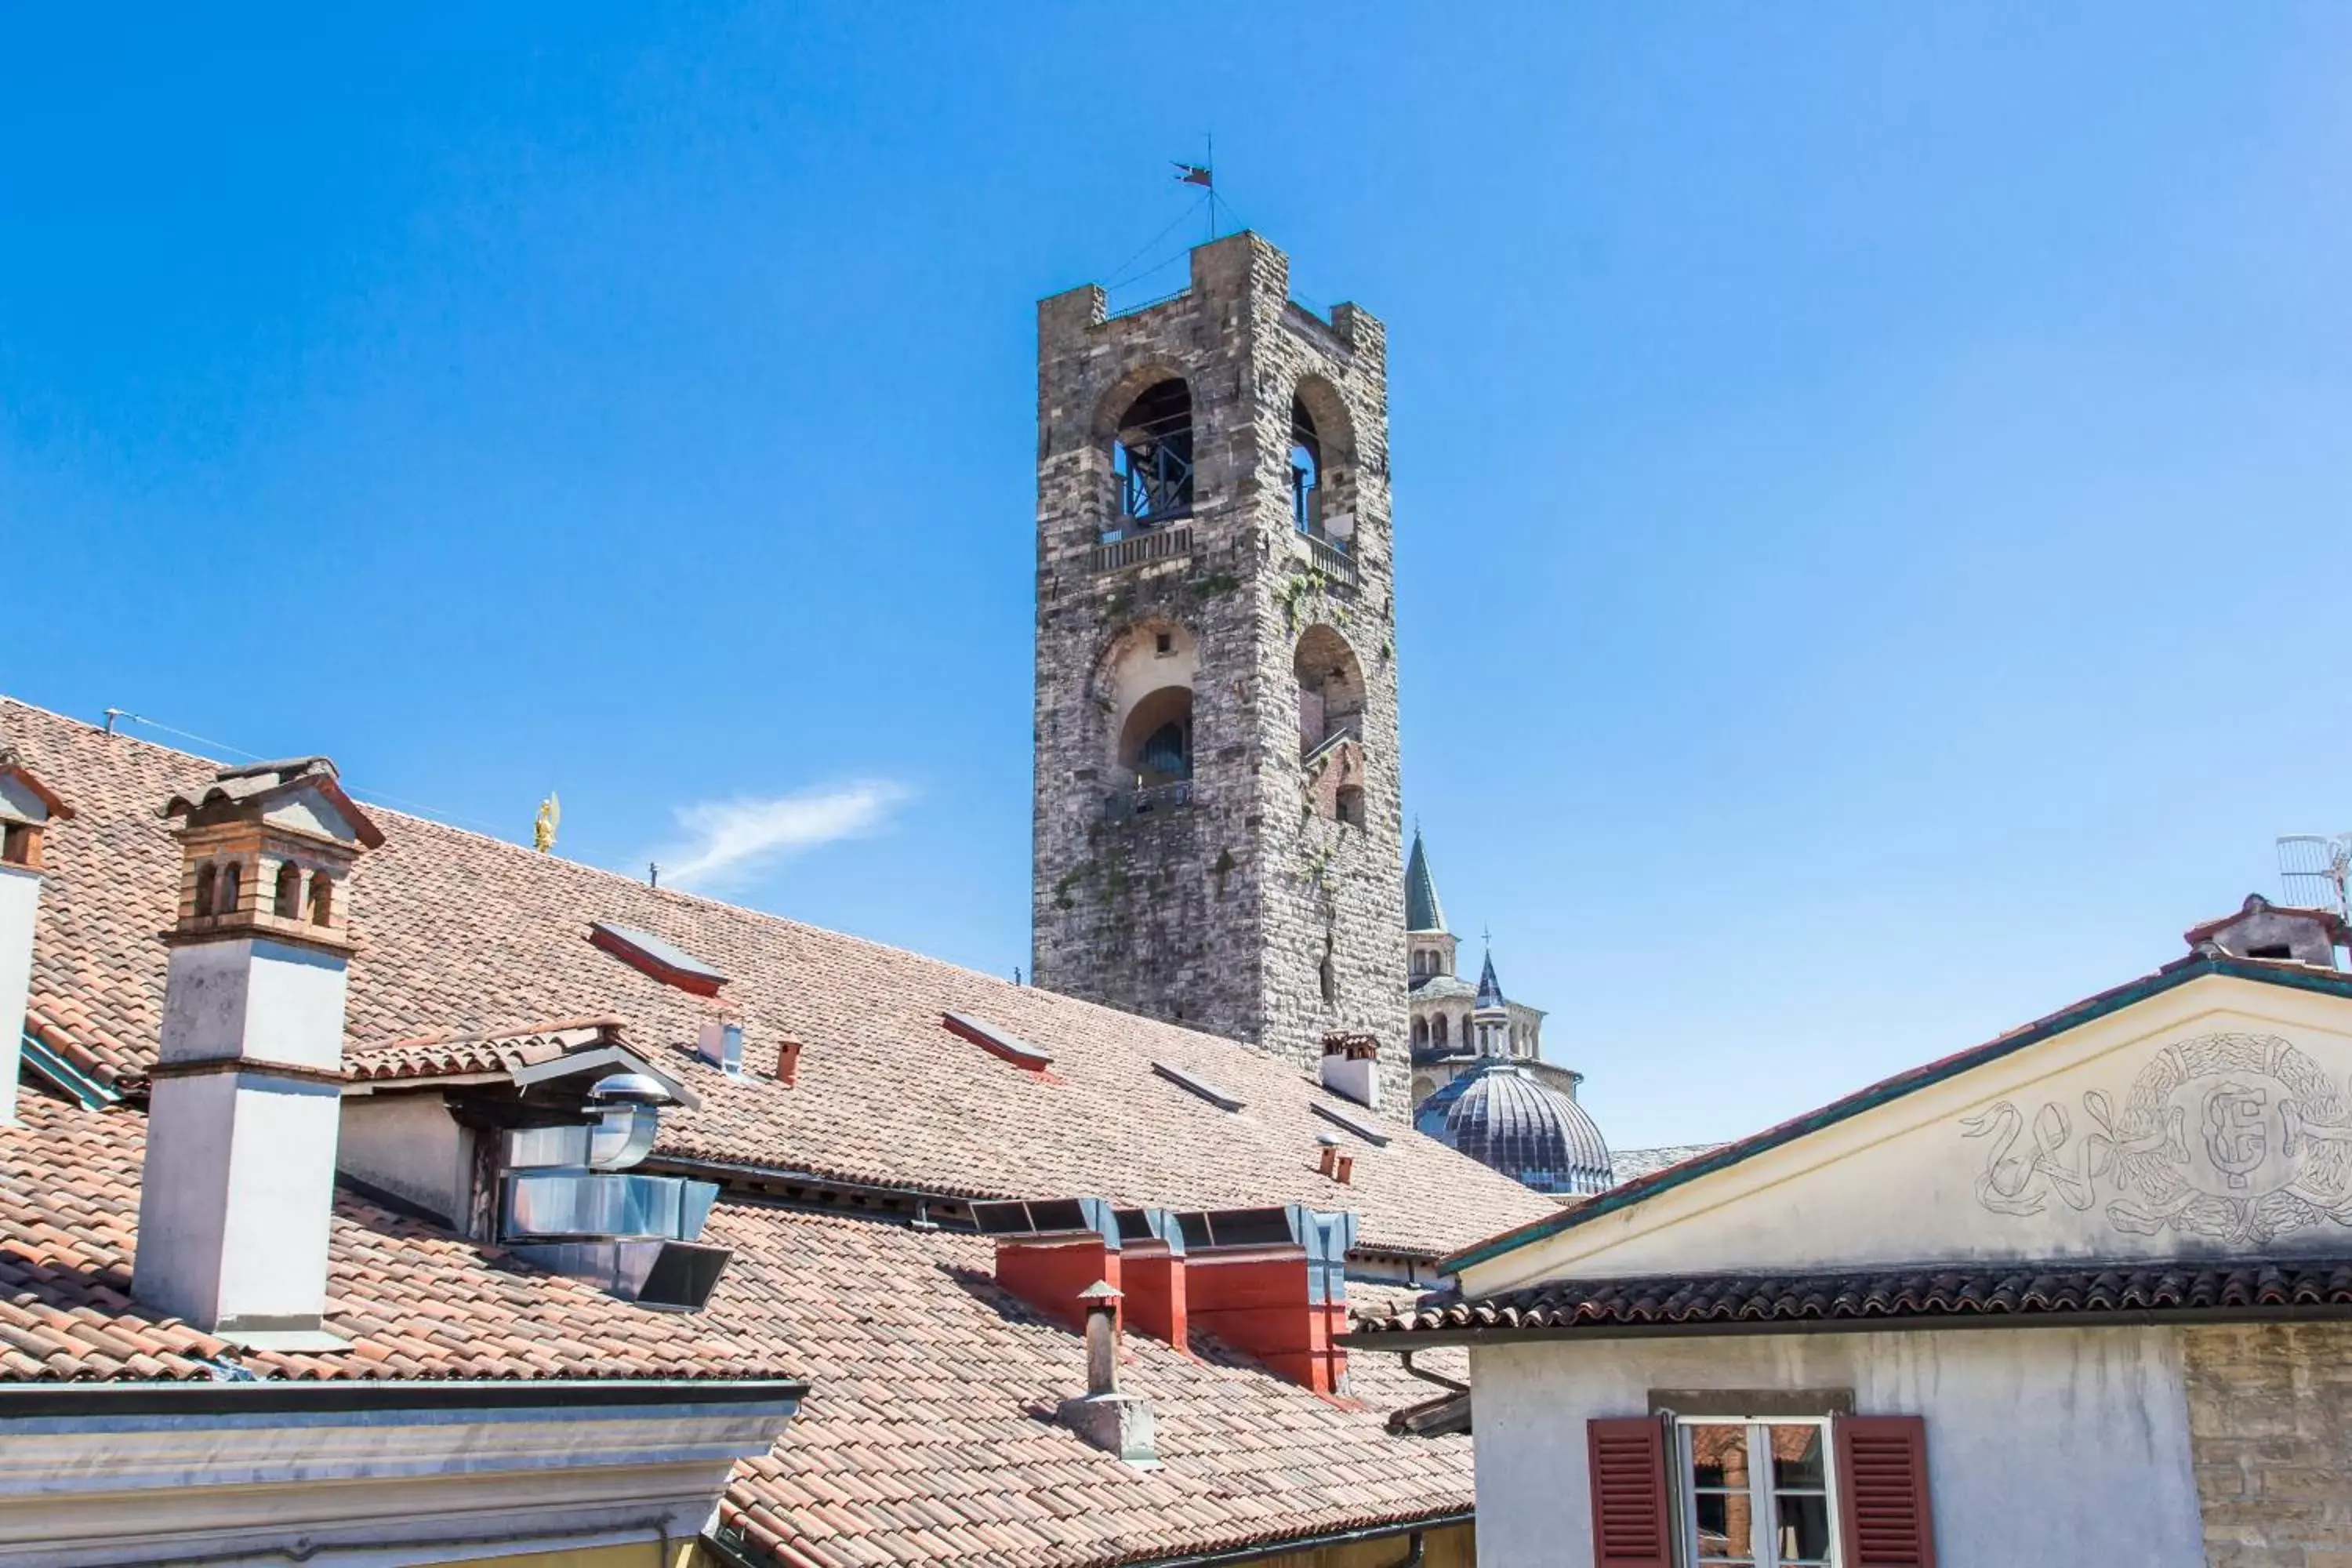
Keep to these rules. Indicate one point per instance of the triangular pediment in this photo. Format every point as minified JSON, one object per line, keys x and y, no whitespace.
{"x":2208,"y":1117}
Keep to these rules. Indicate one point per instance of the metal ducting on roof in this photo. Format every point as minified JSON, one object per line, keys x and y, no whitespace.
{"x":566,"y":1208}
{"x":670,"y":1276}
{"x":602,"y":1204}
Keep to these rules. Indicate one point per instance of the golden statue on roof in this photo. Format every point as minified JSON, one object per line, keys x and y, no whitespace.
{"x":542,"y":828}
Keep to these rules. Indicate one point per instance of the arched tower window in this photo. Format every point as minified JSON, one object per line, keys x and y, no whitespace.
{"x":207,"y":876}
{"x":231,"y":887}
{"x":1330,"y":689}
{"x":322,"y":899}
{"x":1420,"y":1033}
{"x":286,"y":901}
{"x":1437,"y":1030}
{"x":1306,"y":469}
{"x":1155,"y":744}
{"x":1322,"y":463}
{"x":1152,"y":456}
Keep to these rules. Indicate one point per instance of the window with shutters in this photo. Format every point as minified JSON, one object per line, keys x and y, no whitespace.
{"x":1744,"y":1491}
{"x":1756,"y":1493}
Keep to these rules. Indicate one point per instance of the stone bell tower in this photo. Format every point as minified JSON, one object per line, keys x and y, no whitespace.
{"x":1217,"y":833}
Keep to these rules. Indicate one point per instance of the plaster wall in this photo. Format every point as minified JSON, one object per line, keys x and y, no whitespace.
{"x":20,"y":899}
{"x":235,"y":1201}
{"x":2210,"y":1119}
{"x":2045,"y":1446}
{"x":410,"y":1146}
{"x":239,"y":1177}
{"x":252,"y":997}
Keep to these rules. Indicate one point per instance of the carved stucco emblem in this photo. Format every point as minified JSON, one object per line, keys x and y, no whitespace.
{"x":2237,"y":1138}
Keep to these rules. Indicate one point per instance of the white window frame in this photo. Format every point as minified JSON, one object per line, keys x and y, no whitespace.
{"x":1763,"y":1517}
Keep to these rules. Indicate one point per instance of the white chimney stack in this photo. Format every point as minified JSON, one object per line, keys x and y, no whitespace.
{"x":26,"y":809}
{"x":1351,"y":1066}
{"x":247,"y":1086}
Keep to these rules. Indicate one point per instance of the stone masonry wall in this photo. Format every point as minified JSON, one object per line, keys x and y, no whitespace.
{"x":1218,"y":914}
{"x":2270,"y":1427}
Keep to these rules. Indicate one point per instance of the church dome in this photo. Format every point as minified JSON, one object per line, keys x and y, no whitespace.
{"x":1504,"y":1116}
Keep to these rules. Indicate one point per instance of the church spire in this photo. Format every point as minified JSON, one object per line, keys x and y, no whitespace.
{"x":1490,"y":990}
{"x":1422,"y":911}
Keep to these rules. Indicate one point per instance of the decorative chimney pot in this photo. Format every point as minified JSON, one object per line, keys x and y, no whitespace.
{"x":27,"y":807}
{"x":245,"y":1108}
{"x":1120,"y":1424}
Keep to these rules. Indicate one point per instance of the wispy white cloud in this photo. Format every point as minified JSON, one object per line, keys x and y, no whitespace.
{"x":726,"y":840}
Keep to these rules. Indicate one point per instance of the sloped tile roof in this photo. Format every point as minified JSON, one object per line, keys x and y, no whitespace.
{"x":459,"y":1055}
{"x":462,"y":934}
{"x":928,"y":1432}
{"x":1991,"y":1291}
{"x":417,"y":1302}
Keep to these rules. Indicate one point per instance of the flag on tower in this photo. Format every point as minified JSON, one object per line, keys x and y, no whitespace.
{"x":1193,"y":174}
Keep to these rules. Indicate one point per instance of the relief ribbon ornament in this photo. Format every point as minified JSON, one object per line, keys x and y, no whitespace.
{"x":2021,"y":1183}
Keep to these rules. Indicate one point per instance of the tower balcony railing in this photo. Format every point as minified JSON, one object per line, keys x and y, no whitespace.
{"x":1331,"y":560}
{"x":1166,"y":542}
{"x":1122,"y":805}
{"x":1346,"y":729}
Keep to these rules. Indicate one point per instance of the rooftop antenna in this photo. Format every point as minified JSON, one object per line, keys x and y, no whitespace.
{"x":2316,"y":870}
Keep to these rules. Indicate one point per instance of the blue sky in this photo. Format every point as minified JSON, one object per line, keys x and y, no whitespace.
{"x":1871,"y":481}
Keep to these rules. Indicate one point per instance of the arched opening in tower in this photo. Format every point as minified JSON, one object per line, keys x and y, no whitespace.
{"x":1155,"y":744}
{"x":1330,"y":689}
{"x":1152,"y":456}
{"x":1306,"y":469}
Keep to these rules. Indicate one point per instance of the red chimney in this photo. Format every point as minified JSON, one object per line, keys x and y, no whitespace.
{"x":1156,"y":1293}
{"x":788,"y":1061}
{"x":1272,"y":1283}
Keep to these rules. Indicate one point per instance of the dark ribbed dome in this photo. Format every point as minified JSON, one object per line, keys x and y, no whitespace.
{"x":1502,"y":1115}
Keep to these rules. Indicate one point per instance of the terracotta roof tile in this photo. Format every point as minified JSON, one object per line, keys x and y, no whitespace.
{"x":929,"y":1434}
{"x":462,"y":935}
{"x":415,"y":1301}
{"x":961,"y":1459}
{"x":1766,"y":1302}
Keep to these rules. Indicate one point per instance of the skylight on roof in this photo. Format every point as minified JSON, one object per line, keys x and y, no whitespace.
{"x":649,"y":954}
{"x":1369,"y":1132}
{"x":1223,"y":1098}
{"x":1011,"y":1047}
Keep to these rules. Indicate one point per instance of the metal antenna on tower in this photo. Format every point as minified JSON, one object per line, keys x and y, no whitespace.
{"x":2316,"y":870}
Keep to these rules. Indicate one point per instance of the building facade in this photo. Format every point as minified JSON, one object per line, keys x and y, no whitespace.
{"x":1217,"y":825}
{"x":2075,"y":1295}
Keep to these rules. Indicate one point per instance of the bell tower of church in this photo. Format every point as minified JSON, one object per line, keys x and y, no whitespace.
{"x":1217,"y":833}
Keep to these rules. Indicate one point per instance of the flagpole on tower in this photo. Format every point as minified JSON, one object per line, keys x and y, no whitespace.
{"x":1208,"y":163}
{"x":1204,"y":175}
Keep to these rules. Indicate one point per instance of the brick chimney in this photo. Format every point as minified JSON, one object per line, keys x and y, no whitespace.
{"x":239,"y":1182}
{"x":26,"y":809}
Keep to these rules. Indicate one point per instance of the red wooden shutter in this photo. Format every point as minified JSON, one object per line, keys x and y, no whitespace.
{"x":1628,"y":1493}
{"x":1881,"y":1467}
